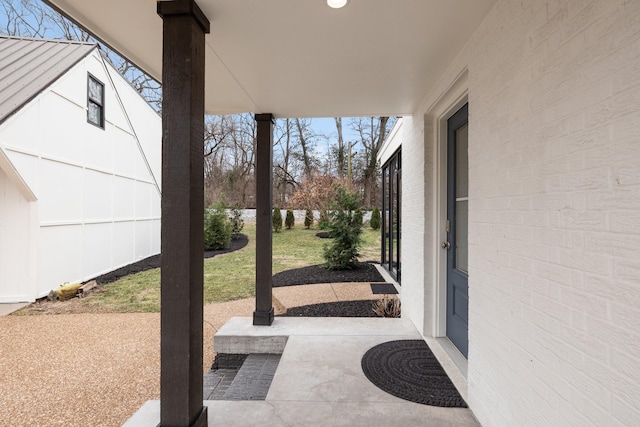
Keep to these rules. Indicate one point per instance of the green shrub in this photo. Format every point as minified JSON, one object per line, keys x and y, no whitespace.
{"x":323,"y":222}
{"x":237,"y":223}
{"x":308,"y":219}
{"x":358,"y":217}
{"x":375,"y":219}
{"x":345,"y":231}
{"x":217,"y":228}
{"x":276,"y":219}
{"x":289,"y":220}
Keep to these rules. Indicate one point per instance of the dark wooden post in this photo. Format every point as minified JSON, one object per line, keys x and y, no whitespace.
{"x":183,"y":70}
{"x":263,"y":315}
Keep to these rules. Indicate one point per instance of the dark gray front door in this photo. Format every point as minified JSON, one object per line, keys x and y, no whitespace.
{"x":457,"y":227}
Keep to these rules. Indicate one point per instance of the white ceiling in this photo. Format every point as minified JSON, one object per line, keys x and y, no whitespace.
{"x":300,"y":58}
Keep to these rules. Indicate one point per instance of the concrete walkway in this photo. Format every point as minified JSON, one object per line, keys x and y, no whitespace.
{"x":7,"y":309}
{"x":319,"y":381}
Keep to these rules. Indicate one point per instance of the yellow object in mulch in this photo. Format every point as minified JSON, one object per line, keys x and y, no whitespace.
{"x":64,"y":292}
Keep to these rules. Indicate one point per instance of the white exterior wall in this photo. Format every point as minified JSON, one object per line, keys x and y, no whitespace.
{"x":17,"y":240}
{"x":554,"y":258}
{"x":407,"y":134}
{"x":98,"y":203}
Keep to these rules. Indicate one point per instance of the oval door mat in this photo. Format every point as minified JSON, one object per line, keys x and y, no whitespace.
{"x":408,"y":369}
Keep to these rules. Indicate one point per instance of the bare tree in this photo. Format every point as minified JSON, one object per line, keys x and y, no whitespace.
{"x":25,"y":19}
{"x":340,"y":148}
{"x":305,"y":137}
{"x":229,"y":152}
{"x":372,"y":132}
{"x":285,"y":180}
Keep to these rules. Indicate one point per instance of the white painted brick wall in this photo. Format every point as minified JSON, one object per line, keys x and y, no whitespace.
{"x":414,"y":298}
{"x":554,"y":95}
{"x":554,"y":232}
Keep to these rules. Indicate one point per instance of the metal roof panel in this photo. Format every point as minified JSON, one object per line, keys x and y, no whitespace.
{"x":28,"y":66}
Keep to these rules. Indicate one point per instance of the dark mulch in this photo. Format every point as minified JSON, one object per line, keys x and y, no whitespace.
{"x":334,"y":309}
{"x":362,"y":272}
{"x":408,"y":369}
{"x":154,"y":261}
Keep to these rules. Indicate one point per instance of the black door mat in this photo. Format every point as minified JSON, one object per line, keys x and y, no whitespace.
{"x":383,"y":288}
{"x":408,"y":369}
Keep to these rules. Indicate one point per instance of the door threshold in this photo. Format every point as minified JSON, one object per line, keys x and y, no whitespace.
{"x":452,"y":361}
{"x":458,"y":358}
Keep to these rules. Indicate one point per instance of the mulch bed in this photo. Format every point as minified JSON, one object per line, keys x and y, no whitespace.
{"x":362,"y":272}
{"x":154,"y":261}
{"x":408,"y":369}
{"x":334,"y":309}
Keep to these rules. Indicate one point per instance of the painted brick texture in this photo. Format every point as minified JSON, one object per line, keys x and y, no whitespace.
{"x":414,"y":298}
{"x":554,"y":96}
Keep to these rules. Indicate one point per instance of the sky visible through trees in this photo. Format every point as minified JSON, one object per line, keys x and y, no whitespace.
{"x":308,"y":153}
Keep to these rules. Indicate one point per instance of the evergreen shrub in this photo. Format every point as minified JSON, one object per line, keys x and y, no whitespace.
{"x":308,"y":219}
{"x":358,"y":217}
{"x":345,"y":229}
{"x":323,"y":222}
{"x":276,"y":219}
{"x":375,"y":219}
{"x":217,"y":228}
{"x":289,"y":220}
{"x":237,"y":223}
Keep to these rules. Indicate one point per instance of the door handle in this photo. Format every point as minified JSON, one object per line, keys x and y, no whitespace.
{"x":445,"y":245}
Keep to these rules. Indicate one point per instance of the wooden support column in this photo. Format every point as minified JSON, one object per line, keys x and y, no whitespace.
{"x":263,"y":315}
{"x":183,"y":71}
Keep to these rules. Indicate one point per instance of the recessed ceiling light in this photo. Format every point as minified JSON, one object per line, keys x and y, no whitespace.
{"x":337,"y":4}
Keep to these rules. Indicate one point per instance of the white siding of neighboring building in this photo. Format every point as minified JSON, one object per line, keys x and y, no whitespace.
{"x":17,"y":237}
{"x":554,"y":259}
{"x":98,"y":203}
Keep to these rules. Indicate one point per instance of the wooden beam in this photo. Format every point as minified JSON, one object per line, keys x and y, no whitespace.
{"x":263,"y":315}
{"x":183,"y":71}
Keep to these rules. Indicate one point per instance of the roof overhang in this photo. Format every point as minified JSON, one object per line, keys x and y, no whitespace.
{"x":14,"y":176}
{"x":296,"y":58}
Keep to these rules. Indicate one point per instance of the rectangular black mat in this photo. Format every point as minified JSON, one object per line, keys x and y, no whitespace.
{"x":383,"y":288}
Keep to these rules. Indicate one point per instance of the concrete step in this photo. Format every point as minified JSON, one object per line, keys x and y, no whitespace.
{"x":239,"y":336}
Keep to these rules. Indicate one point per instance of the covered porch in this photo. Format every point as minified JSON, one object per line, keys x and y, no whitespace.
{"x":276,"y":59}
{"x":544,"y":97}
{"x":319,"y":380}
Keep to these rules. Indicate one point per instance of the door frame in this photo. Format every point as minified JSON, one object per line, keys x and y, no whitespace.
{"x":456,"y":278}
{"x":441,"y":172}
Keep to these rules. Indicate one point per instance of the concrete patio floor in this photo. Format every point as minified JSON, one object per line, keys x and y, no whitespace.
{"x":319,"y":381}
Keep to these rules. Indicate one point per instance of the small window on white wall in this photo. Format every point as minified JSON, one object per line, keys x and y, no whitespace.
{"x":95,"y":101}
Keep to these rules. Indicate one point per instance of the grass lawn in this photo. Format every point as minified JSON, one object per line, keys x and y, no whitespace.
{"x":229,"y":276}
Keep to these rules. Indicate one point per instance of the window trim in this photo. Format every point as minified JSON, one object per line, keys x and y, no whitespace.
{"x":391,"y":188}
{"x":100,"y":103}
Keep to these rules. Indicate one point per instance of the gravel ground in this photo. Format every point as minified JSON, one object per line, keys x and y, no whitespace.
{"x":81,"y":369}
{"x":97,"y":369}
{"x":93,"y":369}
